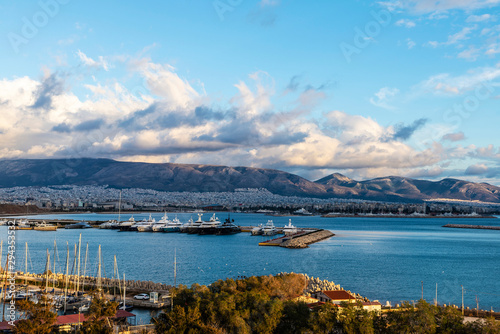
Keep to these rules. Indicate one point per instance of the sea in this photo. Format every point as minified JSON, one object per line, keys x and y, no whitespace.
{"x":385,"y":259}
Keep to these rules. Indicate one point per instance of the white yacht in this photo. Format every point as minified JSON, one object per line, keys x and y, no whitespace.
{"x":257,"y":230}
{"x":158,"y":226}
{"x":269,"y":229}
{"x":289,"y":229}
{"x":173,"y":226}
{"x":209,"y":227}
{"x":145,"y":225}
{"x":193,"y":226}
{"x":109,"y":224}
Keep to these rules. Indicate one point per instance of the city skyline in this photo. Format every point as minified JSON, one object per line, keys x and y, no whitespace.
{"x":366,"y":89}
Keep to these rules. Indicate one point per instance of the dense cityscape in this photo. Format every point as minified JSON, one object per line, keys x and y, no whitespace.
{"x":103,"y":198}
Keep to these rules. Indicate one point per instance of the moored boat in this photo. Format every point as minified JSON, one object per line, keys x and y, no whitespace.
{"x":125,"y":225}
{"x":79,"y":225}
{"x":228,"y":227}
{"x":289,"y":229}
{"x":257,"y":230}
{"x":144,"y":225}
{"x":193,"y":227}
{"x":173,"y":226}
{"x":209,"y":227}
{"x":269,"y":229}
{"x":23,"y":224}
{"x":43,"y":226}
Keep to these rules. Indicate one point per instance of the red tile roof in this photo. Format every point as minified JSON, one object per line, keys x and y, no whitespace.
{"x":338,"y":295}
{"x":77,"y":318}
{"x":4,"y":325}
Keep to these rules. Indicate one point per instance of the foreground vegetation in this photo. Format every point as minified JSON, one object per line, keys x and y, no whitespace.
{"x":265,"y":305}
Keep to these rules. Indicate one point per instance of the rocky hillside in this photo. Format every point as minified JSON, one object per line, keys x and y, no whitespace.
{"x":204,"y":178}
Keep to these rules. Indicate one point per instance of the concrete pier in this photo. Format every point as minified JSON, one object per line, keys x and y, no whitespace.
{"x":479,"y":227}
{"x":300,"y":239}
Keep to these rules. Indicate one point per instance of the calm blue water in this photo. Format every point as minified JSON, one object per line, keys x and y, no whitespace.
{"x":384,"y":259}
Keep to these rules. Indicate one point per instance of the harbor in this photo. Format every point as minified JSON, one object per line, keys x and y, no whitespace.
{"x":392,"y":248}
{"x":294,"y":237}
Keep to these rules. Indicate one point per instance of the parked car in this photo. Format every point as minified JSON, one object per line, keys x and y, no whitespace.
{"x":144,"y":296}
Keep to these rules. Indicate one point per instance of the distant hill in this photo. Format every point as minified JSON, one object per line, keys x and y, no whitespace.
{"x":205,"y":178}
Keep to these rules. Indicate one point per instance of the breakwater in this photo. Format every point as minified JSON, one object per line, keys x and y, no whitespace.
{"x":300,"y":239}
{"x":479,"y":227}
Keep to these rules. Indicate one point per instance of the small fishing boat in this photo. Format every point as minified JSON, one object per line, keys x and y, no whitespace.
{"x":43,"y":226}
{"x":23,"y":224}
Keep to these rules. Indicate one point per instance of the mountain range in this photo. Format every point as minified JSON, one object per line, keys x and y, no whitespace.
{"x":205,"y":178}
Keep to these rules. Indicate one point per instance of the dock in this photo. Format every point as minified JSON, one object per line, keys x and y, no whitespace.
{"x":301,"y":239}
{"x":478,"y":227}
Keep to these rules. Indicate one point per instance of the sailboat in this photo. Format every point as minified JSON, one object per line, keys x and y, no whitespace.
{"x":123,"y":305}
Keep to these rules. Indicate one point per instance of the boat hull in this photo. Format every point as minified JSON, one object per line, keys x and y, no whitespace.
{"x":45,"y":228}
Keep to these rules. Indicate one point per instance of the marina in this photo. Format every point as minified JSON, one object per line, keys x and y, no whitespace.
{"x":379,"y":258}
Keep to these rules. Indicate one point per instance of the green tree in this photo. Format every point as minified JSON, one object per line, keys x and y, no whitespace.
{"x":295,"y":318}
{"x":324,"y":319}
{"x":36,"y":318}
{"x":97,"y":320}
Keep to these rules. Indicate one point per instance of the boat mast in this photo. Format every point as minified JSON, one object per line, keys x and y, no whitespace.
{"x":78,"y":271}
{"x":99,"y":270}
{"x":175,"y":280}
{"x":26,"y":265}
{"x":124,"y":292}
{"x":115,"y":272}
{"x":85,"y":267}
{"x":66,"y":278}
{"x":54,"y":282}
{"x":119,"y":209}
{"x":1,"y":254}
{"x":5,"y":286}
{"x":47,"y":269}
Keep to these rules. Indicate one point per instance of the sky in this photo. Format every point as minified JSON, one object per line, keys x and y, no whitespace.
{"x":363,"y":88}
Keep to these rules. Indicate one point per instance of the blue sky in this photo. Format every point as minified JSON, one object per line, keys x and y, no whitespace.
{"x":363,"y":88}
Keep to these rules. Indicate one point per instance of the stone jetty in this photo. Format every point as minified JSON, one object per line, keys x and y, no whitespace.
{"x":304,"y":240}
{"x":479,"y":227}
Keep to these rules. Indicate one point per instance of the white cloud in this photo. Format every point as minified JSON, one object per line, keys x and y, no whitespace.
{"x":429,"y":6}
{"x":459,"y":36}
{"x":446,"y":84}
{"x":478,"y":18}
{"x":170,"y":121}
{"x":410,"y":44}
{"x":406,"y":23}
{"x":469,"y":54}
{"x":165,"y":83}
{"x":91,"y":62}
{"x":383,"y":97}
